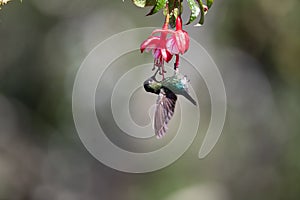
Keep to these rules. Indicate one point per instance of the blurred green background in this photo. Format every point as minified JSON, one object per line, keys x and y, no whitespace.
{"x":254,"y":43}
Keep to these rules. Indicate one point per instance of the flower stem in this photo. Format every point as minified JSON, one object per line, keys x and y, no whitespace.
{"x":176,"y":64}
{"x":163,"y":71}
{"x":165,"y":27}
{"x":179,"y":7}
{"x":167,"y":19}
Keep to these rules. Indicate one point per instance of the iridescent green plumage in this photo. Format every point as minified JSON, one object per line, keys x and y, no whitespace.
{"x":165,"y":105}
{"x":178,"y":84}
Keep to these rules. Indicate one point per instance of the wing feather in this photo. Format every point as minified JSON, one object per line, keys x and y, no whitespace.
{"x":164,"y":111}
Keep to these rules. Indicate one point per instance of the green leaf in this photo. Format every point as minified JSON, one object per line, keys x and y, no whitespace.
{"x":209,"y":3}
{"x":195,"y":10}
{"x":201,"y":21}
{"x":173,"y":4}
{"x":160,"y":4}
{"x":143,"y":3}
{"x":150,"y":2}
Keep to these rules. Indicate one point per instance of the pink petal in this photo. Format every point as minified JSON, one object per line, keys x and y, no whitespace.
{"x":182,"y":41}
{"x":163,"y":31}
{"x":187,"y":39}
{"x":172,"y":46}
{"x":151,"y":43}
{"x":156,"y":53}
{"x":167,"y":56}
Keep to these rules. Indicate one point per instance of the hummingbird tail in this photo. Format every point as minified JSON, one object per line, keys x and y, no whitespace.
{"x":191,"y":99}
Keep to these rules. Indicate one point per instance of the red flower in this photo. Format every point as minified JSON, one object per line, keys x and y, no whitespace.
{"x":167,"y":44}
{"x":179,"y":42}
{"x":158,"y":46}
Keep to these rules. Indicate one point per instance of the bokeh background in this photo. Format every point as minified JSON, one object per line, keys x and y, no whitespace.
{"x":254,"y":43}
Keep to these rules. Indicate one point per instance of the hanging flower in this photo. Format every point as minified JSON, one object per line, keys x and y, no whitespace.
{"x":179,"y":42}
{"x":157,"y":44}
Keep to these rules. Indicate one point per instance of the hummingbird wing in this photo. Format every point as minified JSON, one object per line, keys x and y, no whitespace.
{"x":165,"y":106}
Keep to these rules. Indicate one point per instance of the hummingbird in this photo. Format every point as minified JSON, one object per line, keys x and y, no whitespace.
{"x":167,"y":91}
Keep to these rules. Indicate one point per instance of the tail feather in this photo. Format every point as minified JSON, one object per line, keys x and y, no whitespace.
{"x":186,"y":95}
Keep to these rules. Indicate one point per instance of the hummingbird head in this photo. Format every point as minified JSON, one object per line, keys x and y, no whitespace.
{"x":151,"y":85}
